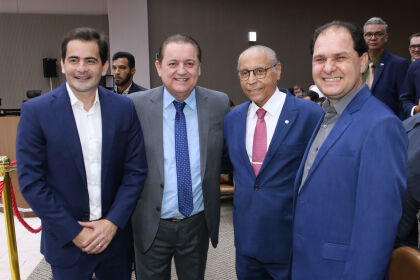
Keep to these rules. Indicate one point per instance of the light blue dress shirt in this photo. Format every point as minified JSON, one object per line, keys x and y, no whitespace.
{"x":169,"y":207}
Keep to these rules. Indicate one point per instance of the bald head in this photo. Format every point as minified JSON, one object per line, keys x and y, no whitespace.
{"x":271,"y":54}
{"x":259,"y":71}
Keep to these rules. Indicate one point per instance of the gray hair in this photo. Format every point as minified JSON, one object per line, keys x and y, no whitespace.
{"x":272,"y":56}
{"x":376,"y":20}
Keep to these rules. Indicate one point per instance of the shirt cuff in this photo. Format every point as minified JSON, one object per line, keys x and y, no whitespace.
{"x":412,"y":111}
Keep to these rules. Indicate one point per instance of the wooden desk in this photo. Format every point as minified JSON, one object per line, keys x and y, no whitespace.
{"x":8,"y":129}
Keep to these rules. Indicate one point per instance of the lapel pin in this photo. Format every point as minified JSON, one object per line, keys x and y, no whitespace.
{"x":286,"y":121}
{"x":382,"y":64}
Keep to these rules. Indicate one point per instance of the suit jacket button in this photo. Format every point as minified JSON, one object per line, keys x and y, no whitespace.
{"x":158,"y":209}
{"x":161,"y":186}
{"x":256,"y":187}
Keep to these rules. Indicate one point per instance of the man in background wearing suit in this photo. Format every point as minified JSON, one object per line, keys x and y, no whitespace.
{"x":123,"y":70}
{"x":266,"y":138}
{"x":414,"y":46}
{"x":410,"y":97}
{"x":350,"y":183}
{"x":82,"y":165}
{"x":408,"y":230}
{"x":386,"y":72}
{"x":179,"y":208}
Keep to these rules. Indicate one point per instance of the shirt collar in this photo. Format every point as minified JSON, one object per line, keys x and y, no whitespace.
{"x":342,"y":104}
{"x":125,"y":91}
{"x":74,"y":100}
{"x":376,"y":60}
{"x":168,"y":99}
{"x":272,"y":104}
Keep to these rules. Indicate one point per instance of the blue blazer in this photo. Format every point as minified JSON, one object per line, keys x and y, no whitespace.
{"x":389,"y":79}
{"x":52,"y":175}
{"x":411,"y":92}
{"x":262,"y":211}
{"x":348,"y":208}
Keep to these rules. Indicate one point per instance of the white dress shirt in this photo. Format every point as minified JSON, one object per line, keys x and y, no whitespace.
{"x":273,"y":107}
{"x":89,"y":127}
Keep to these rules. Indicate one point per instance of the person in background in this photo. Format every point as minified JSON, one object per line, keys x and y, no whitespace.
{"x":410,"y":97}
{"x":298,"y":91}
{"x":408,"y":230}
{"x":414,"y":47}
{"x":123,"y":70}
{"x":386,"y":72}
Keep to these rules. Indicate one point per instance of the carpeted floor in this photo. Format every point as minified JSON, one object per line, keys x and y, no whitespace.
{"x":220,"y":261}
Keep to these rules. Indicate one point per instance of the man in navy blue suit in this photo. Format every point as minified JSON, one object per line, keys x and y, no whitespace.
{"x":410,"y":97}
{"x":81,"y":165}
{"x":351,"y":181}
{"x":264,"y":178}
{"x":386,"y":72}
{"x":414,"y":46}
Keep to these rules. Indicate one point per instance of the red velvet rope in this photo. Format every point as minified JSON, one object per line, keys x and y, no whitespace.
{"x":14,"y":205}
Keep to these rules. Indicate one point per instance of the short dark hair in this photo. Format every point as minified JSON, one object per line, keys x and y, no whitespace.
{"x":412,"y":36}
{"x":312,"y":94}
{"x":179,"y":38}
{"x":356,"y":33}
{"x":86,"y":34}
{"x":129,"y":56}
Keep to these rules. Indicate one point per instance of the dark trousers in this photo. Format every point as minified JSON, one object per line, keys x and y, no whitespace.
{"x":187,"y":241}
{"x":112,"y":264}
{"x":248,"y":268}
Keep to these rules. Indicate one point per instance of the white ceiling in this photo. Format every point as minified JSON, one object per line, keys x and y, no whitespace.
{"x":79,"y":7}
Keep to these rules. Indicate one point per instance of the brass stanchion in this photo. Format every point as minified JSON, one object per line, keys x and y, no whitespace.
{"x":8,"y":216}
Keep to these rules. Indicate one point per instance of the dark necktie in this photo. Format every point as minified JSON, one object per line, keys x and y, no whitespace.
{"x":183,"y":171}
{"x":259,"y":146}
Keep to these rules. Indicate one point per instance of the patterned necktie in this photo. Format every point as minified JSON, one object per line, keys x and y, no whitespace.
{"x":183,"y":171}
{"x":371,"y":74}
{"x":259,"y":147}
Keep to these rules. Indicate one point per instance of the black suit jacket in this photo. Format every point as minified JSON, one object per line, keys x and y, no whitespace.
{"x":135,"y":87}
{"x":389,"y":80}
{"x":411,"y":92}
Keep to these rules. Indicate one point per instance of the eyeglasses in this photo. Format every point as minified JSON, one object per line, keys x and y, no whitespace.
{"x":369,"y":35}
{"x":412,"y":47}
{"x":259,"y":72}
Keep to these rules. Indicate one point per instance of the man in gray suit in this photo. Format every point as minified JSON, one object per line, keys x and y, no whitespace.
{"x":179,"y":209}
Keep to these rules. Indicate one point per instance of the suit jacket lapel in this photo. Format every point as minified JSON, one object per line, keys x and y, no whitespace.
{"x":380,"y":69}
{"x":299,"y":174}
{"x":108,"y":131}
{"x":342,"y":124}
{"x":64,"y":114}
{"x":240,"y":139}
{"x":203,"y":126}
{"x":155,"y":123}
{"x":284,"y":124}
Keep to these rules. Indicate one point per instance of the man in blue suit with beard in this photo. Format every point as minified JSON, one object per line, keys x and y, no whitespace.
{"x":266,"y":138}
{"x":81,"y":166}
{"x":350,"y":184}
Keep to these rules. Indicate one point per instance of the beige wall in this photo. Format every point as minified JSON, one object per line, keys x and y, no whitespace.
{"x":25,"y":40}
{"x":128,"y":31}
